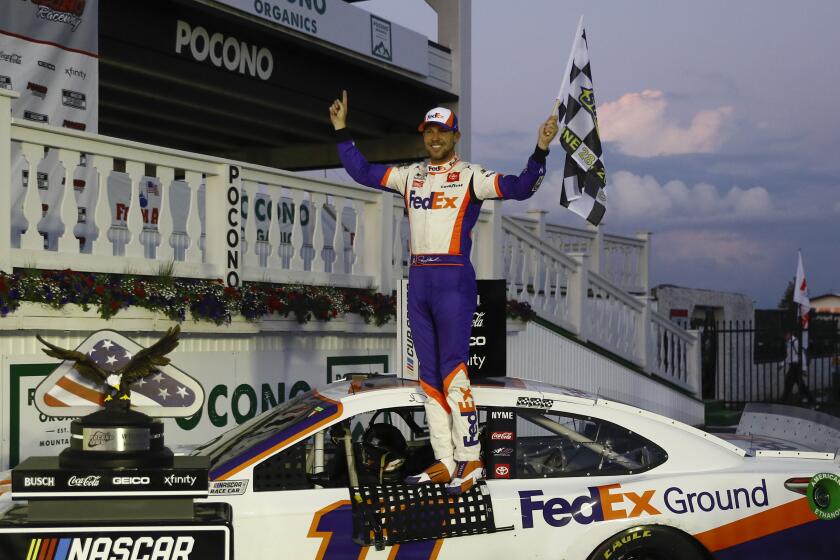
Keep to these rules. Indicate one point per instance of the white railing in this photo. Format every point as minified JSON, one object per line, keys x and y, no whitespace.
{"x":673,"y":353}
{"x":622,"y":260}
{"x":540,"y":275}
{"x":568,"y":291}
{"x":183,"y":219}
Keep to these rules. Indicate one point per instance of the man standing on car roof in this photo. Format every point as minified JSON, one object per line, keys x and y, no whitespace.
{"x":443,"y":197}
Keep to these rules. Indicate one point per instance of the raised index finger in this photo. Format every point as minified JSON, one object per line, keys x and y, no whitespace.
{"x":344,"y":98}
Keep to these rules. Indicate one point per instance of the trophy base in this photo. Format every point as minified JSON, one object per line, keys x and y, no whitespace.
{"x":78,"y":459}
{"x":116,"y":439}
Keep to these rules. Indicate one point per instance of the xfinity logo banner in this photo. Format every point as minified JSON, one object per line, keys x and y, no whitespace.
{"x":223,"y":52}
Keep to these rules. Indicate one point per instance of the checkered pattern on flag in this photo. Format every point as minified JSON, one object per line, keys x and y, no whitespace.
{"x":584,"y":176}
{"x":166,"y":392}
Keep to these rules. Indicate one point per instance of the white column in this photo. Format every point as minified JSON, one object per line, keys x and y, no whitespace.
{"x":379,"y":241}
{"x":31,"y":240}
{"x":577,"y":294}
{"x":644,"y":261}
{"x":134,"y":221}
{"x":643,"y":335}
{"x":193,"y":252}
{"x":165,"y":253}
{"x":68,"y":209}
{"x":596,"y":250}
{"x":6,"y":181}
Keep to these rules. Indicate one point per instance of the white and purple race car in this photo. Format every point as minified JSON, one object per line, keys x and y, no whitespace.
{"x":569,"y":476}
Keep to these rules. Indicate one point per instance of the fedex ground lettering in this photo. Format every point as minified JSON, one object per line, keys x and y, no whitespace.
{"x":601,"y":503}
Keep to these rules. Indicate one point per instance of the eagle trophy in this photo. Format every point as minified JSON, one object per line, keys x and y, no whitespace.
{"x":118,"y":383}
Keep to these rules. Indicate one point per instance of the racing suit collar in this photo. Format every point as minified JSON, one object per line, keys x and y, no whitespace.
{"x":443,"y":167}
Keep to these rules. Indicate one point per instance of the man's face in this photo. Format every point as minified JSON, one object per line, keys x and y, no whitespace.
{"x":440,"y":143}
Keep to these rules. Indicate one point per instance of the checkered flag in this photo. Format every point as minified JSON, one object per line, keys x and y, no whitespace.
{"x":584,"y":176}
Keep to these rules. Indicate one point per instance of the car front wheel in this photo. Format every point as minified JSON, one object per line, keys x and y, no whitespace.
{"x":649,"y":542}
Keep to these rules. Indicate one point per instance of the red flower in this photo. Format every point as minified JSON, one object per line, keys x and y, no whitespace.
{"x":114,"y":305}
{"x":230,"y":291}
{"x":139,"y":290}
{"x":100,"y":289}
{"x":3,"y":284}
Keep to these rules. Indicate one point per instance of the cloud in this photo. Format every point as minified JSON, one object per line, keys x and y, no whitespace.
{"x":635,"y":196}
{"x":638,"y":125}
{"x":724,"y":249}
{"x":643,"y":200}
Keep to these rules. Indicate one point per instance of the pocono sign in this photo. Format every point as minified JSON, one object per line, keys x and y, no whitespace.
{"x":233,"y":239}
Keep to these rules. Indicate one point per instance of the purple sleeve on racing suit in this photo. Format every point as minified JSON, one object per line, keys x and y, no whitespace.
{"x":369,"y":174}
{"x":524,"y":185}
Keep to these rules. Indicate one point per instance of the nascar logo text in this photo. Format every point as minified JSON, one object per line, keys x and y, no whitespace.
{"x":107,"y":548}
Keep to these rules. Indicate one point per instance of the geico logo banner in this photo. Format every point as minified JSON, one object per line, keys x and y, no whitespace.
{"x":227,"y":52}
{"x":130,"y":480}
{"x":119,"y":548}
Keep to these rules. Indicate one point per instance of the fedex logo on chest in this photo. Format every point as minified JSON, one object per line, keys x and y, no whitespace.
{"x":435,"y":201}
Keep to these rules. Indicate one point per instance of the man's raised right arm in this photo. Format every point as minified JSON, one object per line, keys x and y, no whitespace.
{"x":374,"y":175}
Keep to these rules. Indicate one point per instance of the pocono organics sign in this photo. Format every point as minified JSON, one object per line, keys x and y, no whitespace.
{"x":342,"y":24}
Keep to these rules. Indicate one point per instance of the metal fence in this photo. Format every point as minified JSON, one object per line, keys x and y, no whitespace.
{"x":743,"y":363}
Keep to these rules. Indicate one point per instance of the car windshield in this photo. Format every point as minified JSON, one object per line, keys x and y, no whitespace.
{"x":265,"y":431}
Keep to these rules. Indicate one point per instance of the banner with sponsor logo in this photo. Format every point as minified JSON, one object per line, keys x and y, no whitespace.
{"x":49,"y":54}
{"x":192,"y":540}
{"x":488,"y":338}
{"x":501,"y":442}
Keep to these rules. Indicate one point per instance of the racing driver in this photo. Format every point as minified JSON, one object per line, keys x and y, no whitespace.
{"x":443,"y":196}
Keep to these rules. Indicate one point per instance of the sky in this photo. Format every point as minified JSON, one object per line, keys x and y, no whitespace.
{"x":719,"y":121}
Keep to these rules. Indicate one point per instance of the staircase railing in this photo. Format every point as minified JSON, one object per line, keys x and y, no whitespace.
{"x":565,"y":290}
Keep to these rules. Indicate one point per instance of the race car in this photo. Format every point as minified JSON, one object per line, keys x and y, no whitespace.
{"x":570,"y":476}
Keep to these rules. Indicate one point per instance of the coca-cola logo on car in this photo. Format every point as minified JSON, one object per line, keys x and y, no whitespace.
{"x":504,"y":436}
{"x":91,"y":481}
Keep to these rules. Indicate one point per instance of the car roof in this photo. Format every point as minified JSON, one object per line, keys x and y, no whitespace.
{"x":341,"y":390}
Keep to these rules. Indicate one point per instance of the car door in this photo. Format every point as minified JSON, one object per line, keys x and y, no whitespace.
{"x":563,"y":480}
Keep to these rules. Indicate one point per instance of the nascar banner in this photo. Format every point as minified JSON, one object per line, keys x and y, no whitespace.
{"x":584,"y":176}
{"x":49,"y":54}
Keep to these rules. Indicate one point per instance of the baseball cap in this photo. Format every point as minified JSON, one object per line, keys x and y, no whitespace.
{"x":441,"y":116}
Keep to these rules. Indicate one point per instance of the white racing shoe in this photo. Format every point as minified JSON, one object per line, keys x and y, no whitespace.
{"x":467,"y":473}
{"x":436,"y":473}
